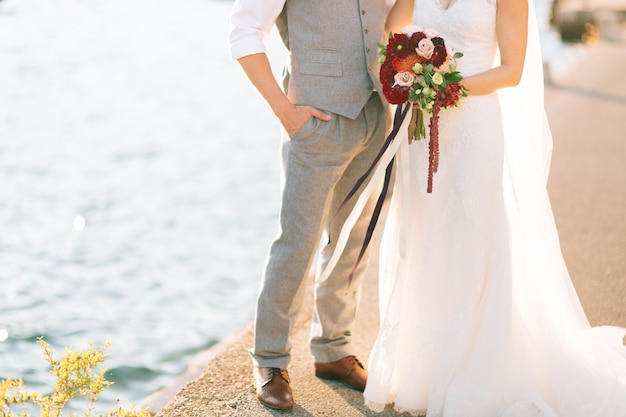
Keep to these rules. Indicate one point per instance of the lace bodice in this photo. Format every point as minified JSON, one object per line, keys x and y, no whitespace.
{"x":467,"y":26}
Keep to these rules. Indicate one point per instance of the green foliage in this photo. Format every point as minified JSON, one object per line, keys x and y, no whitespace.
{"x":77,"y":374}
{"x":453,"y":77}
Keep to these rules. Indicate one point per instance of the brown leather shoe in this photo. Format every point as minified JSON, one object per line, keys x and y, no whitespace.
{"x":272,"y":388}
{"x":348,"y":370}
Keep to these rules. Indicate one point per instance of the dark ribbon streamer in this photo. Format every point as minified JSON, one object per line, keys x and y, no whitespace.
{"x":399,"y":116}
{"x":397,"y":123}
{"x":374,"y":219}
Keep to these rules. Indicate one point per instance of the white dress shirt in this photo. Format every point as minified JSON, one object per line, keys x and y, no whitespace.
{"x":250,"y":23}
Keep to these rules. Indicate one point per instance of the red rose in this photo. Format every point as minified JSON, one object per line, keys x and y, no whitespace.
{"x":439,"y":54}
{"x":387,"y":73}
{"x":416,"y":38}
{"x":396,"y":95}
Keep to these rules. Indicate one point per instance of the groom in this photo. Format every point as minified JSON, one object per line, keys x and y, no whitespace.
{"x":334,"y":124}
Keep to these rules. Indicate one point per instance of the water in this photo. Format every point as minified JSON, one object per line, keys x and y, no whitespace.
{"x":139,"y":185}
{"x":131,"y":118}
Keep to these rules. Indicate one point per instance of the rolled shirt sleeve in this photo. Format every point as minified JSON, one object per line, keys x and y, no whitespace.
{"x":250,"y":23}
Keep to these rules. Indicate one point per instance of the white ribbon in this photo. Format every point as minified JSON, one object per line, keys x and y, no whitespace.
{"x":372,"y":185}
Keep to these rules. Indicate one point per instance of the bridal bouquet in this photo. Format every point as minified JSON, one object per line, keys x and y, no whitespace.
{"x":418,"y":67}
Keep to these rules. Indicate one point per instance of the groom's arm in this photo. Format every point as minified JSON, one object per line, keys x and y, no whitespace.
{"x":292,"y":117}
{"x":251,"y":22}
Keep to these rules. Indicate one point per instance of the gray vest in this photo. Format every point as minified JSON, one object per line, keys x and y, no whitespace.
{"x":333,"y":61}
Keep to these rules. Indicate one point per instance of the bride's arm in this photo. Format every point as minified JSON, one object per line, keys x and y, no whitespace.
{"x":399,"y":16}
{"x":512,"y":31}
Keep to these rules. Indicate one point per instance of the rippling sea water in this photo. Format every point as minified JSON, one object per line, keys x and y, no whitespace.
{"x":128,"y":118}
{"x":138,"y":185}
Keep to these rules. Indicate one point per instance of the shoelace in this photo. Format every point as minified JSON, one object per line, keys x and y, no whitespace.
{"x":274,"y":372}
{"x":357,"y":361}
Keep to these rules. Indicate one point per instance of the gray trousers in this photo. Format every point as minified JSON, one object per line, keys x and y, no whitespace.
{"x":321,"y":164}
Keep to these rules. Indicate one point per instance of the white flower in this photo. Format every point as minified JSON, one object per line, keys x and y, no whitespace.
{"x":411,"y":29}
{"x":418,"y":68}
{"x":404,"y":79}
{"x":431,"y":33}
{"x":437,"y":78}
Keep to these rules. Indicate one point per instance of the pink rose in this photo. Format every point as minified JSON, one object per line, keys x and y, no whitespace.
{"x":425,"y":48}
{"x":404,"y":79}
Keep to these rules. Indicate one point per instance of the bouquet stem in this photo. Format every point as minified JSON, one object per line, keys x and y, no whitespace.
{"x":416,"y":124}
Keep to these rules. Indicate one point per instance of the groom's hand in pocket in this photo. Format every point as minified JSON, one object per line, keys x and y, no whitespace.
{"x":257,"y":68}
{"x":294,"y":117}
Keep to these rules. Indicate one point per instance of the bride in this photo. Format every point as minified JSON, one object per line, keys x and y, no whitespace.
{"x":479,"y":317}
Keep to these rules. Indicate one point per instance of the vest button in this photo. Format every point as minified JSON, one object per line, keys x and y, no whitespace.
{"x":362,"y":12}
{"x":367,"y":50}
{"x":366,"y":31}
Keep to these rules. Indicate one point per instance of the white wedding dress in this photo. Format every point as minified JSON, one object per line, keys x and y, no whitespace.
{"x":479,"y":317}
